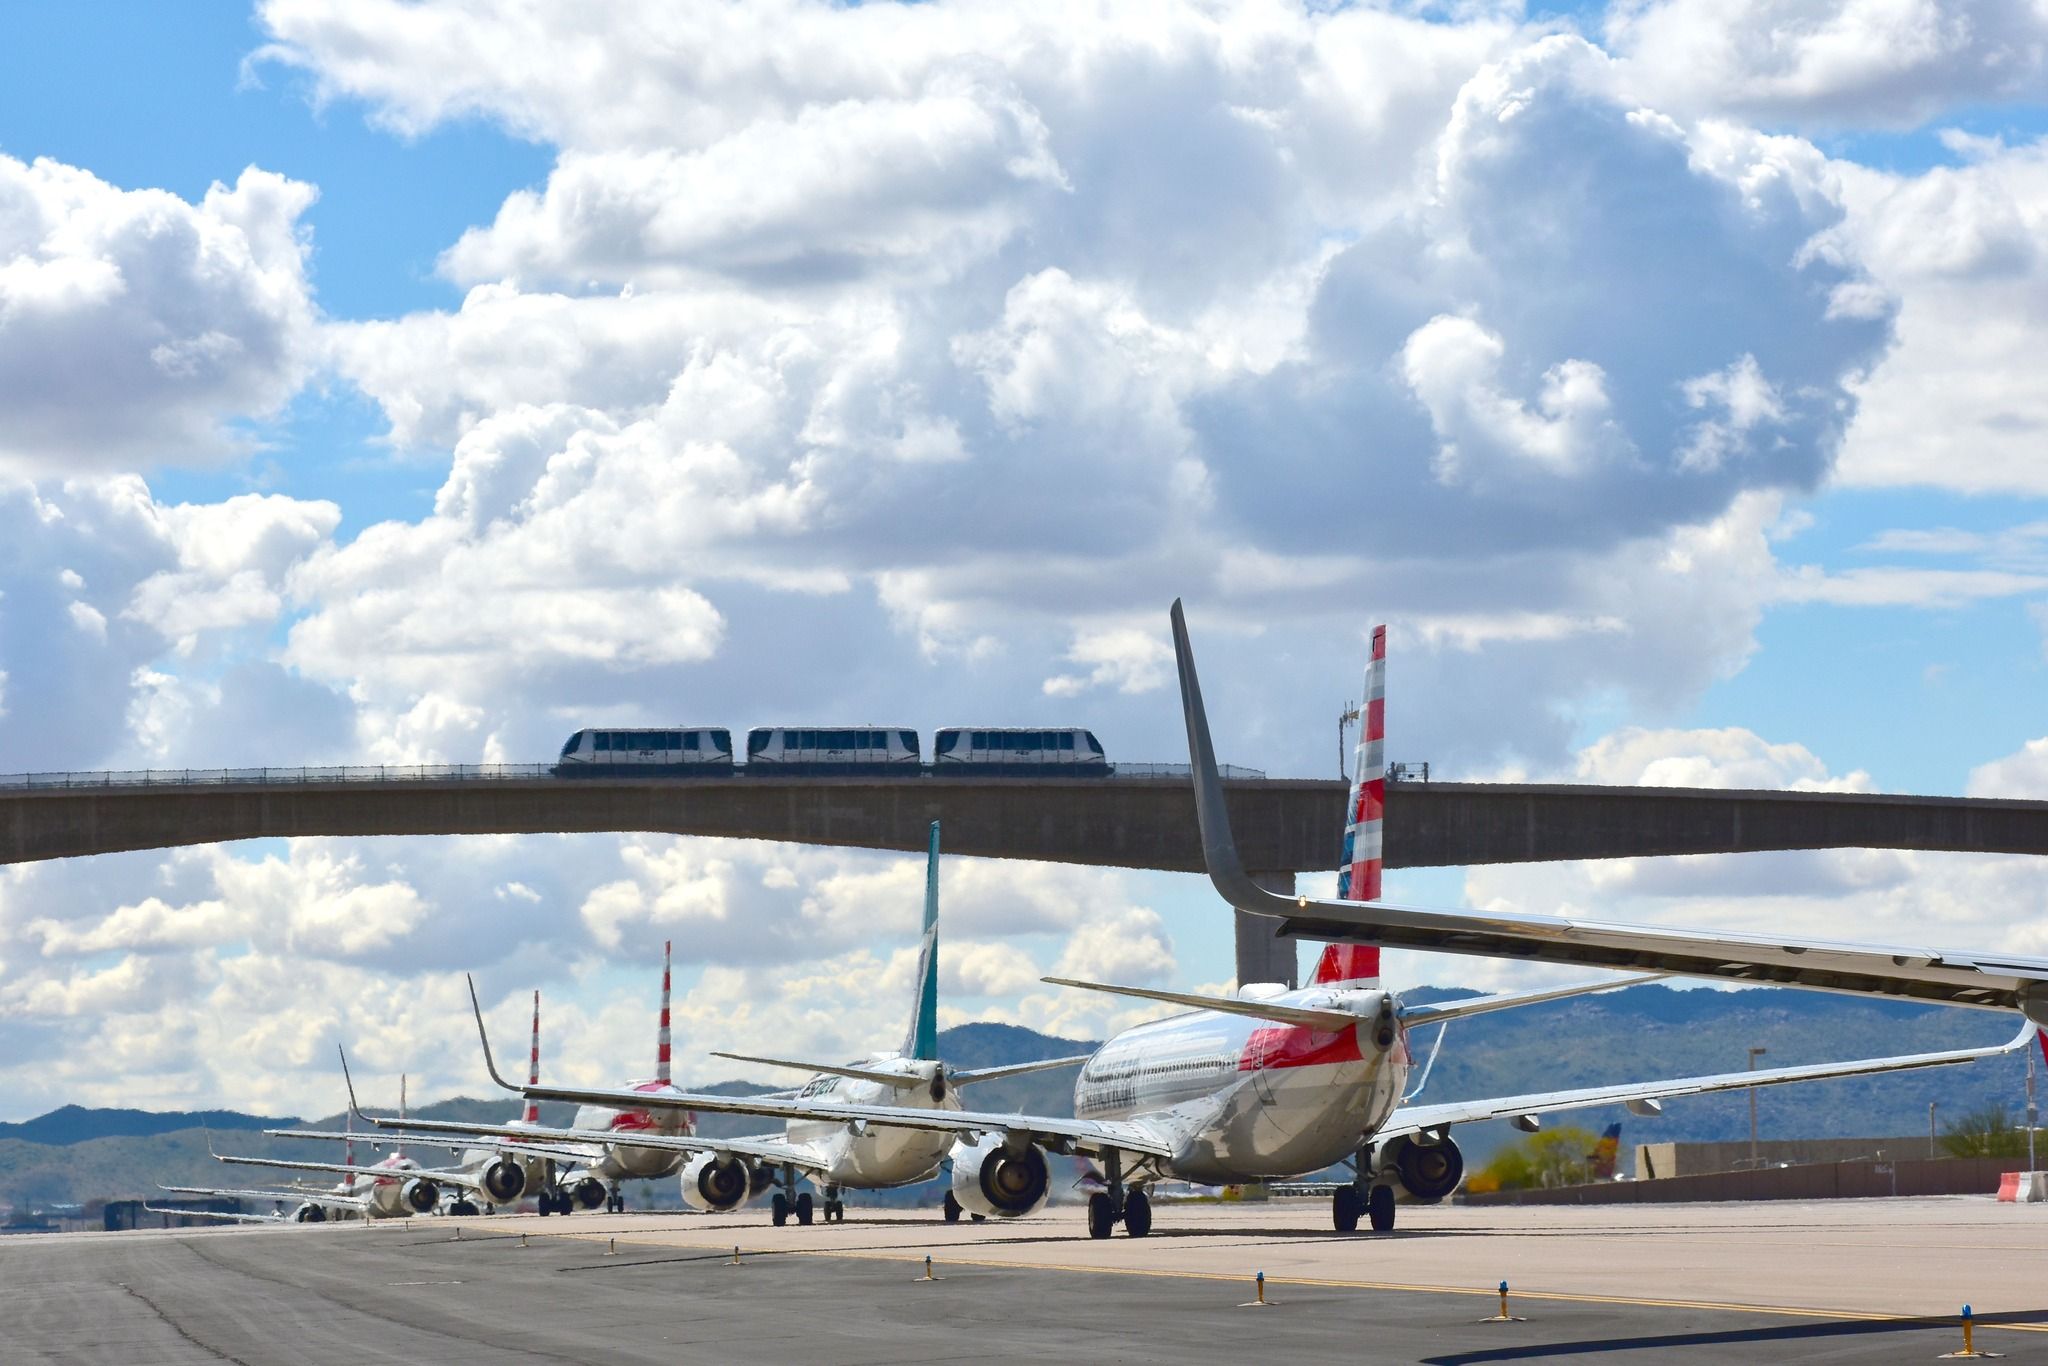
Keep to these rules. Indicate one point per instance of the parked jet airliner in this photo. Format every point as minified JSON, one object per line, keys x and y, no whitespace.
{"x":1272,"y":1082}
{"x":723,"y":1174}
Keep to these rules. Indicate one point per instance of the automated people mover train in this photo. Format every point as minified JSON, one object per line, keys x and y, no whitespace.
{"x":870,"y":750}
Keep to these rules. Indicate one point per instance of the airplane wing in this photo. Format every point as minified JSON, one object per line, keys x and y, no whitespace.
{"x":588,"y":1141}
{"x":967,"y":1076}
{"x":440,"y":1176}
{"x":222,"y":1215}
{"x":1992,"y":981}
{"x":895,"y":1079}
{"x":353,"y":1202}
{"x":1061,"y":1135}
{"x":1421,"y":1118}
{"x":497,"y":1140}
{"x":1443,"y":1012}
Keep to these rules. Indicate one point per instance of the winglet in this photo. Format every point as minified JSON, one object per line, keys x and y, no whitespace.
{"x":348,"y":1081}
{"x":1212,"y":815}
{"x":483,"y":1037}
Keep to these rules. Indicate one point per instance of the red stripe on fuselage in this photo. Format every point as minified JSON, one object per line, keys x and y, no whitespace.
{"x":1275,"y":1046}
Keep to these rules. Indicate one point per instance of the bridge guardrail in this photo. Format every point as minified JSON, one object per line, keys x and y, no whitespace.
{"x":300,"y":776}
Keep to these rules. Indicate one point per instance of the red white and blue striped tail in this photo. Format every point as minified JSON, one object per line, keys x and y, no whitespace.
{"x":1365,"y":812}
{"x":531,"y":1115}
{"x":661,"y":1053}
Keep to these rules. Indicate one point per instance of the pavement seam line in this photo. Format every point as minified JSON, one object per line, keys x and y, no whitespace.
{"x":1558,"y":1296}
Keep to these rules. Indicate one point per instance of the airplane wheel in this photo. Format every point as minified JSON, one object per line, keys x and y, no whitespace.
{"x":1345,"y":1207}
{"x":835,"y":1213}
{"x":547,"y":1204}
{"x":1379,"y":1206}
{"x":778,"y":1209}
{"x":462,"y":1209}
{"x":1101,"y":1216}
{"x":952,"y":1209}
{"x":803,"y":1208}
{"x":1137,"y":1214}
{"x":979,"y":1218}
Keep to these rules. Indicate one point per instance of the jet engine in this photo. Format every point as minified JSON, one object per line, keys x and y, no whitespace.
{"x":420,"y":1195}
{"x":309,"y":1213}
{"x":504,"y":1181}
{"x":1427,"y":1171}
{"x":716,"y":1187}
{"x":587,"y":1193}
{"x":992,"y":1178}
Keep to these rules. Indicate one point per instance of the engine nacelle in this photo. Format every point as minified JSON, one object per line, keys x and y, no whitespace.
{"x":588,"y":1193}
{"x":1428,"y":1172}
{"x":420,"y":1195}
{"x":309,"y":1214}
{"x":989,"y":1178}
{"x":715,"y":1187}
{"x":504,"y":1181}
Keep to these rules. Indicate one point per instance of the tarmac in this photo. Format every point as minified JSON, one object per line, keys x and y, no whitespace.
{"x":1841,"y":1281}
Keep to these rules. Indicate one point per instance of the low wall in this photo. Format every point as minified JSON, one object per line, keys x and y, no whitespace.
{"x":1818,"y":1181}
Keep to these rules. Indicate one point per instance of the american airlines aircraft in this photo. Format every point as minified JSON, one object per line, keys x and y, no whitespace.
{"x":510,"y":1163}
{"x":1273,"y":1082}
{"x":719,"y":1175}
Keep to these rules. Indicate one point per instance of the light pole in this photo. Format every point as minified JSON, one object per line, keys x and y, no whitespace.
{"x":1754,"y":1054}
{"x":1930,"y":1126}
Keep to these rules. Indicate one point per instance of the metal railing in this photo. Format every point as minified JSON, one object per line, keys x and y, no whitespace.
{"x":484,"y":773}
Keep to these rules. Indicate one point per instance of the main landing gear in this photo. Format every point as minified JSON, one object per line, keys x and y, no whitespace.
{"x":1362,"y":1197}
{"x":835,"y":1208}
{"x":1106,"y":1209}
{"x":555,"y":1201}
{"x":615,"y":1200}
{"x":952,"y":1208}
{"x":788,"y":1200}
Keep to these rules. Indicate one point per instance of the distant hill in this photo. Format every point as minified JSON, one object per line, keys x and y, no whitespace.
{"x":1642,"y":1033}
{"x":75,"y":1123}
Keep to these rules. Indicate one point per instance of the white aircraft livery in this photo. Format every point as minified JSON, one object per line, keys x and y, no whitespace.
{"x":723,"y":1174}
{"x":1273,"y":1082}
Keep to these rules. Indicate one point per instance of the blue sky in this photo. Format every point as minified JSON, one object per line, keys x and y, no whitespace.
{"x":1682,"y":414}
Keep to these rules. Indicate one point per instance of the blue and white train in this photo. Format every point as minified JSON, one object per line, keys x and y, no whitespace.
{"x":1019,"y":752}
{"x":861,"y":749}
{"x":646,"y":753}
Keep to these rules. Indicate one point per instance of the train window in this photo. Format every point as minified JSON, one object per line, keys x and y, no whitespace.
{"x":1067,"y":740}
{"x":757,"y":741}
{"x":944,"y":744}
{"x":1094,"y":745}
{"x":690,"y":741}
{"x":721,"y":740}
{"x":805,"y":739}
{"x":569,"y":745}
{"x":909,"y":738}
{"x":601,"y":740}
{"x":980,"y":739}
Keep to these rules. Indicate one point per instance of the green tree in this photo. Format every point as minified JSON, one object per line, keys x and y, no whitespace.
{"x":1985,"y":1132}
{"x":1543,"y":1161}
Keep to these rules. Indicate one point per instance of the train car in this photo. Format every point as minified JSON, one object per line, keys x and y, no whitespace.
{"x":1018,"y":752}
{"x":704,"y":751}
{"x":862,"y":749}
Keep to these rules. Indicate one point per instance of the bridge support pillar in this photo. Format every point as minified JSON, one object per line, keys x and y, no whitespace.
{"x":1262,"y":955}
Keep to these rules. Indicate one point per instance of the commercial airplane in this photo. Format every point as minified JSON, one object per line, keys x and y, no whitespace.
{"x":396,"y":1187}
{"x":1273,"y":1082}
{"x":515,"y":1160}
{"x":1606,"y":1153}
{"x":309,"y":1206}
{"x":720,"y":1175}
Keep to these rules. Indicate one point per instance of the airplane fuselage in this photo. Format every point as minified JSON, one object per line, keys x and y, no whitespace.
{"x":622,"y":1161}
{"x":1250,"y":1100}
{"x":875,"y":1157}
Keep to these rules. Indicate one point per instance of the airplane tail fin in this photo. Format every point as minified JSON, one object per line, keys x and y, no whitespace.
{"x":1364,"y":823}
{"x":923,"y":1039}
{"x":661,"y":1049}
{"x":531,"y":1114}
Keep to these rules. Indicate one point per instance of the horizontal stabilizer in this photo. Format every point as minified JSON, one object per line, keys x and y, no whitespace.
{"x":1445,"y":1011}
{"x":899,"y":1080}
{"x":1310,"y":1016}
{"x":969,"y":1076}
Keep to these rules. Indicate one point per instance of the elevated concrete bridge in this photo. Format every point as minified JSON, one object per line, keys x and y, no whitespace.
{"x":1284,"y":826}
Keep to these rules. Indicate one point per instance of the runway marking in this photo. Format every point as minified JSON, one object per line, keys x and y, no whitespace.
{"x":423,"y":1282}
{"x":1555,"y":1296}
